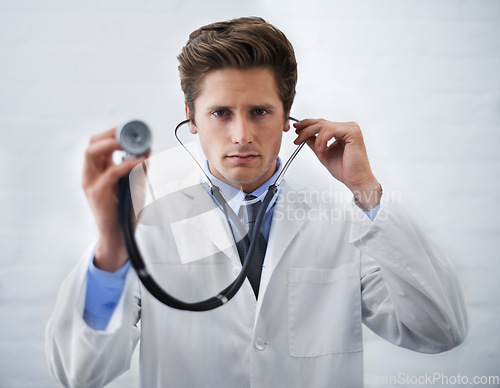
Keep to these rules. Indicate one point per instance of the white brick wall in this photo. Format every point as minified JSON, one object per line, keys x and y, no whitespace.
{"x":421,"y":77}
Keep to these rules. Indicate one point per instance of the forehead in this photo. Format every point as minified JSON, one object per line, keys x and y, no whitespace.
{"x":256,"y":85}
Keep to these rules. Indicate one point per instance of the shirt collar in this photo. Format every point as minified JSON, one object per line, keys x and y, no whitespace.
{"x":235,"y":197}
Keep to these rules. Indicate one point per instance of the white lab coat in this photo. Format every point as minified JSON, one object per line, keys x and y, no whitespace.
{"x":325,"y":273}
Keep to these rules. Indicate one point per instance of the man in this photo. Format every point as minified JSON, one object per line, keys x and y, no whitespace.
{"x":300,"y":324}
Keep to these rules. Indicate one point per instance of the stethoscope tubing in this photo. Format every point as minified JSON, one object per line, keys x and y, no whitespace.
{"x":126,"y":220}
{"x":127,"y":224}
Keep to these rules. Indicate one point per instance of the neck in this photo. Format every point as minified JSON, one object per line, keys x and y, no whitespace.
{"x":246,"y":187}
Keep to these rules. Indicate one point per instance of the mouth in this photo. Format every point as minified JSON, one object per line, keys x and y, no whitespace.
{"x":242,"y":158}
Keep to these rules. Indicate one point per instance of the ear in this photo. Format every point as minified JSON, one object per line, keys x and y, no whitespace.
{"x":192,"y":127}
{"x":286,"y":127}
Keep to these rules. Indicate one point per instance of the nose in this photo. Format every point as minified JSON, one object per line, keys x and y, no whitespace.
{"x":241,"y":131}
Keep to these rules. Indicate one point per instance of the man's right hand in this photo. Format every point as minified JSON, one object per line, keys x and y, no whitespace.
{"x":100,"y":183}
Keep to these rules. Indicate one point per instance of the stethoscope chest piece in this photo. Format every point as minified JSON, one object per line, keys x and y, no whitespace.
{"x":135,"y":137}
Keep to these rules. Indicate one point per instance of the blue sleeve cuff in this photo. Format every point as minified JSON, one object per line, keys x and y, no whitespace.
{"x":103,"y":293}
{"x":373,"y":212}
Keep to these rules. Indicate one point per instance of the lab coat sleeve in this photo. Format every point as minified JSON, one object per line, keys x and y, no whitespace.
{"x":80,"y":356}
{"x":410,"y":292}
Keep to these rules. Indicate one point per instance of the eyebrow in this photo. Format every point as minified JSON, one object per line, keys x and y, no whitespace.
{"x":263,"y":106}
{"x":216,"y":107}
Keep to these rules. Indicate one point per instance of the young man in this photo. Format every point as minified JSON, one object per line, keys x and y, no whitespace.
{"x":300,"y":324}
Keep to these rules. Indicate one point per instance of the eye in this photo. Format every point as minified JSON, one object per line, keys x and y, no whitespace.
{"x":220,"y":113}
{"x":260,"y":111}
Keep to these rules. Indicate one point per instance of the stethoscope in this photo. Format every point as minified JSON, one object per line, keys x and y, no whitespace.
{"x":135,"y":138}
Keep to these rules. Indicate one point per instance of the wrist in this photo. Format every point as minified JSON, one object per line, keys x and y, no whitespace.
{"x":110,"y":254}
{"x":368,"y":196}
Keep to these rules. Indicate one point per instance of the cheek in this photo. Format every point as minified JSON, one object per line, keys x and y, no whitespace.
{"x":203,"y":141}
{"x":210,"y":146}
{"x":275,"y":145}
{"x":206,"y":148}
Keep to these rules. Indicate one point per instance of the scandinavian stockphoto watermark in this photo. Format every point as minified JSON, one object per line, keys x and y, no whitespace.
{"x":329,"y":205}
{"x":436,"y":378}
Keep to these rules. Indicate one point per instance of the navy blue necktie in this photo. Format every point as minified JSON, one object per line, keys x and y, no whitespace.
{"x":243,"y":245}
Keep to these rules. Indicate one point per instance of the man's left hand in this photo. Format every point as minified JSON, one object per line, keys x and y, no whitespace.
{"x":345,"y":158}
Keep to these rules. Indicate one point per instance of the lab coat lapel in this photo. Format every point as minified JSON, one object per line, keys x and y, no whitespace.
{"x":198,"y":226}
{"x":290,"y":215}
{"x":206,"y":232}
{"x":206,"y":227}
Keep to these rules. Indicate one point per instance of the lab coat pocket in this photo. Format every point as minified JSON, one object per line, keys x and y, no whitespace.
{"x":324,"y":311}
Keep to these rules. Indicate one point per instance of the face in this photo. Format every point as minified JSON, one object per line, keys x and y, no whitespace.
{"x":240,"y":123}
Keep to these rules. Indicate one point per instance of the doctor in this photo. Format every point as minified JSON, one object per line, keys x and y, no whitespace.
{"x":321,"y":279}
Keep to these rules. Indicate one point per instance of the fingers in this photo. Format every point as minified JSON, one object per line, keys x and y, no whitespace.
{"x":111,"y":133}
{"x":103,"y":147}
{"x":102,"y":188}
{"x":110,"y":174}
{"x":325,"y":134}
{"x":98,"y":154}
{"x":324,"y":131}
{"x":305,"y":131}
{"x":117,"y":171}
{"x":98,"y":158}
{"x":317,"y":133}
{"x":98,"y":163}
{"x":305,"y":123}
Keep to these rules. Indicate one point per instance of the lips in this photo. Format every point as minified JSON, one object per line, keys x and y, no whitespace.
{"x":243,"y":158}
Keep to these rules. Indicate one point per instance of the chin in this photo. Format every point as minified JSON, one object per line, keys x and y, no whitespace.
{"x":242,"y":177}
{"x":242,"y":180}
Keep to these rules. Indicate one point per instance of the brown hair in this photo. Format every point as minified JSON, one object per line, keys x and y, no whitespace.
{"x":239,"y":43}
